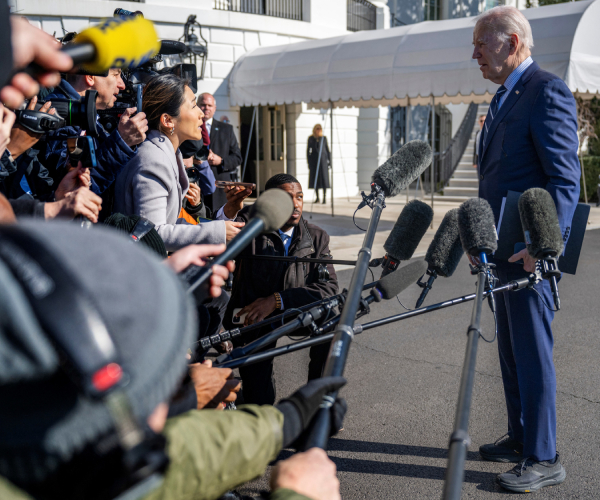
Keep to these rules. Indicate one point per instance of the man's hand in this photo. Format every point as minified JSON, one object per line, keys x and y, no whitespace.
{"x":528,"y":260}
{"x":214,"y":386}
{"x":80,"y":202}
{"x":7,"y":120}
{"x":133,"y":129}
{"x":235,"y":200}
{"x":214,"y":160}
{"x":196,"y":255}
{"x":75,"y":178}
{"x":232,"y":229}
{"x":258,"y":310}
{"x":311,"y":474}
{"x":22,"y":139}
{"x":188,"y":162}
{"x":194,"y":194}
{"x":30,"y":44}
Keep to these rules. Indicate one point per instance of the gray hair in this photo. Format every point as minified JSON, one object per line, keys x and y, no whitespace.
{"x":504,"y":21}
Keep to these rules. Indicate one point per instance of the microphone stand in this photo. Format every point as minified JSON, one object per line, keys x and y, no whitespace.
{"x":459,"y":439}
{"x":217,"y":338}
{"x":322,"y":336}
{"x":318,"y":433}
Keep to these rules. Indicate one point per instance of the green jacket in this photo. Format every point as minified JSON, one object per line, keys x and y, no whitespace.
{"x":211,"y":452}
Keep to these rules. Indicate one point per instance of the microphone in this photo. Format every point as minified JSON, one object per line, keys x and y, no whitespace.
{"x":114,"y":43}
{"x":477,"y":229}
{"x":542,"y":232}
{"x":402,"y":168}
{"x":394,"y":283}
{"x":271,"y":211}
{"x":444,"y":252}
{"x":406,"y":234}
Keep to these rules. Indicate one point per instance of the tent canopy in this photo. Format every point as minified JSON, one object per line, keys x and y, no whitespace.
{"x":408,"y":64}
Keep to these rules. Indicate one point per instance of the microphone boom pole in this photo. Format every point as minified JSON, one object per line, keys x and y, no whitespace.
{"x":340,"y":345}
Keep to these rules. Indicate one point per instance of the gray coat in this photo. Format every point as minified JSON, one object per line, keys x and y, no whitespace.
{"x":153,"y":185}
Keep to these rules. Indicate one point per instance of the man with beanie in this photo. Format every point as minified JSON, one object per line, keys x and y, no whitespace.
{"x":76,"y":428}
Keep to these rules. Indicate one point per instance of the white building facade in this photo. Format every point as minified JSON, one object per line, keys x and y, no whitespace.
{"x":360,"y":138}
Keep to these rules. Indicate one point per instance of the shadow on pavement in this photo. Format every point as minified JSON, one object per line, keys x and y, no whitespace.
{"x":392,"y":449}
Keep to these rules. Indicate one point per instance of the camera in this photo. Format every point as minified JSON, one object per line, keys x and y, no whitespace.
{"x":81,"y":113}
{"x":193,"y":174}
{"x":135,"y":79}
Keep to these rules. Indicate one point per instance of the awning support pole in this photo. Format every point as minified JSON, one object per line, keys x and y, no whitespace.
{"x":257,"y":155}
{"x":248,"y":145}
{"x":331,"y":157}
{"x":432,"y":179}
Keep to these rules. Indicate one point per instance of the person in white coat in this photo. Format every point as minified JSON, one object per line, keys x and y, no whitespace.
{"x":154,"y":183}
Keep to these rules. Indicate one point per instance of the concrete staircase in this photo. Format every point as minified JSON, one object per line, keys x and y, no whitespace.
{"x":464,"y":183}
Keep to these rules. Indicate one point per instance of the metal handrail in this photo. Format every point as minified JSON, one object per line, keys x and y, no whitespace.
{"x":448,"y":160}
{"x":286,"y":9}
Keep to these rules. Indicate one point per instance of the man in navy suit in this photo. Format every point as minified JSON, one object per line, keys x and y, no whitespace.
{"x":529,"y":139}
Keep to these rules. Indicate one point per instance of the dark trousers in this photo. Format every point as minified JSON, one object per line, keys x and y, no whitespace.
{"x":525,"y":344}
{"x":258,"y":382}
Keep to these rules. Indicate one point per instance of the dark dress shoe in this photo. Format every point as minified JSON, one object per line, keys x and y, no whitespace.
{"x":505,"y":449}
{"x":530,"y":475}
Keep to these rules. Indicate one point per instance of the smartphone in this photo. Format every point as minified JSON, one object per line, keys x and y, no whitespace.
{"x":222,"y":184}
{"x":240,"y":320}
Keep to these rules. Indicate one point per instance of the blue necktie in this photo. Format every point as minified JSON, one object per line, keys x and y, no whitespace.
{"x":286,"y":242}
{"x":492,"y":111}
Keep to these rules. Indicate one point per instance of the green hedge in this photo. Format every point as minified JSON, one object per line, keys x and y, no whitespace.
{"x":591,"y":165}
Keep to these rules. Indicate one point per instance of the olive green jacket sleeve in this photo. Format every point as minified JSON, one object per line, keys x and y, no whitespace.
{"x":212,"y":452}
{"x":8,"y":491}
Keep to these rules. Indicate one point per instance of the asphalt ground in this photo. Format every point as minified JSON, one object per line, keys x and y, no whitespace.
{"x":402,"y":389}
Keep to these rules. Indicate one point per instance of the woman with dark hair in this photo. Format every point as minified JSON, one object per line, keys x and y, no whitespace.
{"x":312,"y":155}
{"x":154,"y":183}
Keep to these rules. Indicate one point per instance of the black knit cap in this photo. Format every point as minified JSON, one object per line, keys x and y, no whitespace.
{"x":45,"y":419}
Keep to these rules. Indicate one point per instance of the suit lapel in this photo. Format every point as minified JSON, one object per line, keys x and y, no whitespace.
{"x":511,"y":99}
{"x":214,"y":131}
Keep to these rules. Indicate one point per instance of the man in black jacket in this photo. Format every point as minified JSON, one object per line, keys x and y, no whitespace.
{"x":224,"y":154}
{"x":263,"y":288}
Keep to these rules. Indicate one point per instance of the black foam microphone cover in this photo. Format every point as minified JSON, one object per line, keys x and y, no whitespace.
{"x":445,"y":251}
{"x":403,"y":167}
{"x":477,"y":227}
{"x":408,"y":231}
{"x":541,"y":228}
{"x":392,"y":284}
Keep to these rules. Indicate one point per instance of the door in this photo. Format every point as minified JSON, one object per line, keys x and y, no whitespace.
{"x":273,"y":135}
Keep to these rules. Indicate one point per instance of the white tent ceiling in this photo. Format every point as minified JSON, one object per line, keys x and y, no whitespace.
{"x":411,"y":63}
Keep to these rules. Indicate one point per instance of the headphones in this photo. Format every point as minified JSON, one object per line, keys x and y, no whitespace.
{"x":90,"y":358}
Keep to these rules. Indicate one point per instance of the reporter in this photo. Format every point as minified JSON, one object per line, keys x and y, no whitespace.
{"x":64,"y":445}
{"x":154,"y":183}
{"x":113,"y":150}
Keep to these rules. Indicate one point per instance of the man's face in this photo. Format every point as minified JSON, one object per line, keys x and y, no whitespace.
{"x":108,"y":88}
{"x":295,"y":191}
{"x":492,"y":55}
{"x":208,"y":106}
{"x":481,"y":121}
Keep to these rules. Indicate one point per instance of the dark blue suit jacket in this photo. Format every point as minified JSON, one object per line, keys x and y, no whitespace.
{"x":533,"y":142}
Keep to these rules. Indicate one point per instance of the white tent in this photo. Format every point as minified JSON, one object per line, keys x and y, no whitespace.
{"x":416,"y":62}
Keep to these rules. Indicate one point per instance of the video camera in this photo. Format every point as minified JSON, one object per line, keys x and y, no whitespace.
{"x":136,"y":79}
{"x":81,"y":113}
